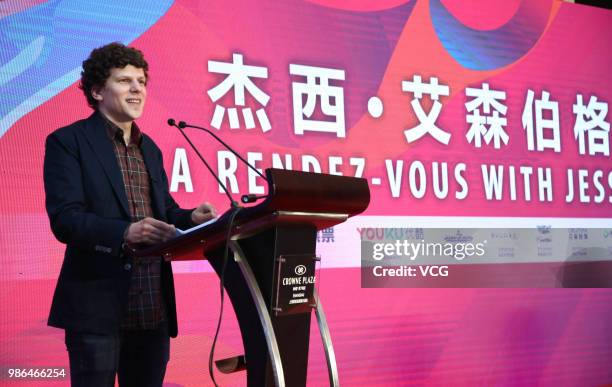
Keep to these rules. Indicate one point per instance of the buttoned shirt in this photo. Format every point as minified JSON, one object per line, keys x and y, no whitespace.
{"x":145,"y":306}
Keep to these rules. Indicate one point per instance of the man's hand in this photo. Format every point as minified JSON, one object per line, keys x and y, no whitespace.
{"x":203,"y":213}
{"x":149,"y":231}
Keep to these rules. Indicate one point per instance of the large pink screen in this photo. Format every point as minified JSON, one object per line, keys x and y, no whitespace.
{"x":479,"y":113}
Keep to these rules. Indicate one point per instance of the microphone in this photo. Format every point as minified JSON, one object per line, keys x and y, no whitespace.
{"x":250,"y":198}
{"x":172,"y":122}
{"x":183,"y":124}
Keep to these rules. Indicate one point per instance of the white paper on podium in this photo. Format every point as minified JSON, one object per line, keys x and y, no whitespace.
{"x":199,"y":226}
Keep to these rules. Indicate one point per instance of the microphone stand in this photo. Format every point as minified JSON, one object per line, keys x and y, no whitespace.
{"x":183,"y":124}
{"x":250,"y":198}
{"x":171,"y":122}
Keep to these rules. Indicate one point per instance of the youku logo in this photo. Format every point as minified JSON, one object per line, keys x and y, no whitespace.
{"x":300,"y":269}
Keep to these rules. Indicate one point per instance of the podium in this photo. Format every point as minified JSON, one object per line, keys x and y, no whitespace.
{"x":270,"y":273}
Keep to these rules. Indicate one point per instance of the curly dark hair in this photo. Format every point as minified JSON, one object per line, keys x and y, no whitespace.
{"x":97,"y":68}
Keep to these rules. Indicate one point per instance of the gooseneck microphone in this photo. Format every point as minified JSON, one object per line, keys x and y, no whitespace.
{"x":183,"y":124}
{"x":250,"y":198}
{"x":172,"y":122}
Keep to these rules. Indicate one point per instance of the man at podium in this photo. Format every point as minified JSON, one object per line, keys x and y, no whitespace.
{"x":106,"y":189}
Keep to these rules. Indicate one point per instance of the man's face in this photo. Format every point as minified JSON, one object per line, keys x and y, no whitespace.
{"x":123,"y":96}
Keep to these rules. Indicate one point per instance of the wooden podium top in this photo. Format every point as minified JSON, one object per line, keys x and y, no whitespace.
{"x":294,"y":197}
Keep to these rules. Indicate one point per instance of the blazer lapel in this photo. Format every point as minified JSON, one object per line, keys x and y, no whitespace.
{"x":103,"y":148}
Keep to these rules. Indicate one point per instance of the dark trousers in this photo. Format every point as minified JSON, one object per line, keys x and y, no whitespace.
{"x":139,"y":358}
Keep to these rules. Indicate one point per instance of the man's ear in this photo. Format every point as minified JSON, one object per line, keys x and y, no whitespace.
{"x":96,"y":94}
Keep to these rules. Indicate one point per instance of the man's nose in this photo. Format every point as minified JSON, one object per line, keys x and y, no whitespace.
{"x":136,"y":86}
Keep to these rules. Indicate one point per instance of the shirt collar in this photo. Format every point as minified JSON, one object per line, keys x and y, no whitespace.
{"x":115,"y":132}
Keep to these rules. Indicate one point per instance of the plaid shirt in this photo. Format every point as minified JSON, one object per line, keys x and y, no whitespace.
{"x":145,"y":307}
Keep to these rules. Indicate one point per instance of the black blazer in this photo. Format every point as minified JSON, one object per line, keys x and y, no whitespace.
{"x":88,"y":210}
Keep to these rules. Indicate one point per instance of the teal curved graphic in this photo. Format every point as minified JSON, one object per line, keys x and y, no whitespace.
{"x":488,"y":50}
{"x":42,"y":48}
